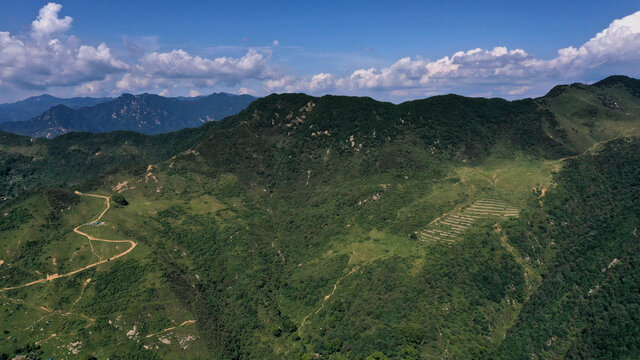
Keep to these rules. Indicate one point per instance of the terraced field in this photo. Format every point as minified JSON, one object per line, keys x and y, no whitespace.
{"x":449,"y":227}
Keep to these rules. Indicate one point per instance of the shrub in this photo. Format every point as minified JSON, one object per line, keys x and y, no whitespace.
{"x":119,"y":199}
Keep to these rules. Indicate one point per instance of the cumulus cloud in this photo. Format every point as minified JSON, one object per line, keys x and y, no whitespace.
{"x":47,"y":60}
{"x":48,"y":22}
{"x":619,"y":43}
{"x":58,"y":62}
{"x":48,"y":57}
{"x":510,"y":72}
{"x":180,"y":69}
{"x":131,"y":82}
{"x":179,"y":64}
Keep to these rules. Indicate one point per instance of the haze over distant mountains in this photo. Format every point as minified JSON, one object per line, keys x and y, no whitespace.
{"x":49,"y":116}
{"x":36,"y":105}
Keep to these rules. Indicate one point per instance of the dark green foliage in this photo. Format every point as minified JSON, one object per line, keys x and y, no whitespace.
{"x":632,"y":85}
{"x":119,"y":199}
{"x":277,"y":332}
{"x":288,"y":326}
{"x":293,"y":237}
{"x":77,"y":157}
{"x":31,"y":351}
{"x":14,"y":218}
{"x":59,"y":199}
{"x":378,"y":355}
{"x":584,"y":295}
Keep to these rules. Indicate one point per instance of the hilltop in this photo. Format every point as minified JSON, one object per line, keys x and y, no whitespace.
{"x":145,"y":113}
{"x":333,"y":227}
{"x":36,"y":105}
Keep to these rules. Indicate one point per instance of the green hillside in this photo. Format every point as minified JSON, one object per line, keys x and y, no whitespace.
{"x":333,"y":228}
{"x":601,"y":111}
{"x":72,"y":158}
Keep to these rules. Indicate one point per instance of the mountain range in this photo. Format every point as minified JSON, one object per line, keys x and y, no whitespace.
{"x":332,"y":227}
{"x":145,"y":113}
{"x":36,"y":105}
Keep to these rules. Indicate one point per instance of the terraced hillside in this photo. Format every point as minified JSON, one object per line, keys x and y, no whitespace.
{"x":449,"y":226}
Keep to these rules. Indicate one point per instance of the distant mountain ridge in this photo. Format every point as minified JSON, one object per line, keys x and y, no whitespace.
{"x":332,"y":227}
{"x":36,"y":105}
{"x":145,"y":113}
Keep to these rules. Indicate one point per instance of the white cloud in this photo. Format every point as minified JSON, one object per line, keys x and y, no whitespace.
{"x":54,"y":63}
{"x":180,"y":64}
{"x":48,"y":57}
{"x":94,"y":88}
{"x":518,"y":91}
{"x":48,"y":22}
{"x":508,"y":72}
{"x":247,"y":91}
{"x":180,"y":69}
{"x":288,"y":83}
{"x":620,"y":42}
{"x":130,"y":82}
{"x":47,"y":61}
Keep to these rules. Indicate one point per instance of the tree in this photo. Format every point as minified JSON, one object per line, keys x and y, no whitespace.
{"x":119,"y":199}
{"x":378,"y":355}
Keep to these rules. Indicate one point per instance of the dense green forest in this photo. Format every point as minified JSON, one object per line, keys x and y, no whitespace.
{"x":333,"y":228}
{"x":76,"y":157}
{"x":588,"y":299}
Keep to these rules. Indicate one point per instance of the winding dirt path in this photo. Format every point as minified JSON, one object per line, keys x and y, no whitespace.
{"x":327,"y":297}
{"x":171,"y":328}
{"x":91,"y":238}
{"x":590,"y":148}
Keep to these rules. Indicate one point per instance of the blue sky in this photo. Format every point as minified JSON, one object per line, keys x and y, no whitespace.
{"x":388,"y":50}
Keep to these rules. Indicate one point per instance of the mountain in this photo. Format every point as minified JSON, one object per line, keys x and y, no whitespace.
{"x":56,"y":121}
{"x":69,"y":159}
{"x":36,"y":105}
{"x":146,"y":113}
{"x":591,"y":113}
{"x":333,"y":227}
{"x":217,"y":106}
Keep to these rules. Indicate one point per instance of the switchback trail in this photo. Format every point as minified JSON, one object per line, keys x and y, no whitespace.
{"x":91,"y":238}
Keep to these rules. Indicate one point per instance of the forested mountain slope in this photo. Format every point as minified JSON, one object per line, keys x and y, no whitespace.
{"x":72,"y":158}
{"x":334,"y":228}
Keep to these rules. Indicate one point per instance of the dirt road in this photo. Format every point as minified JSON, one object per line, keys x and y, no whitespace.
{"x":91,"y":238}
